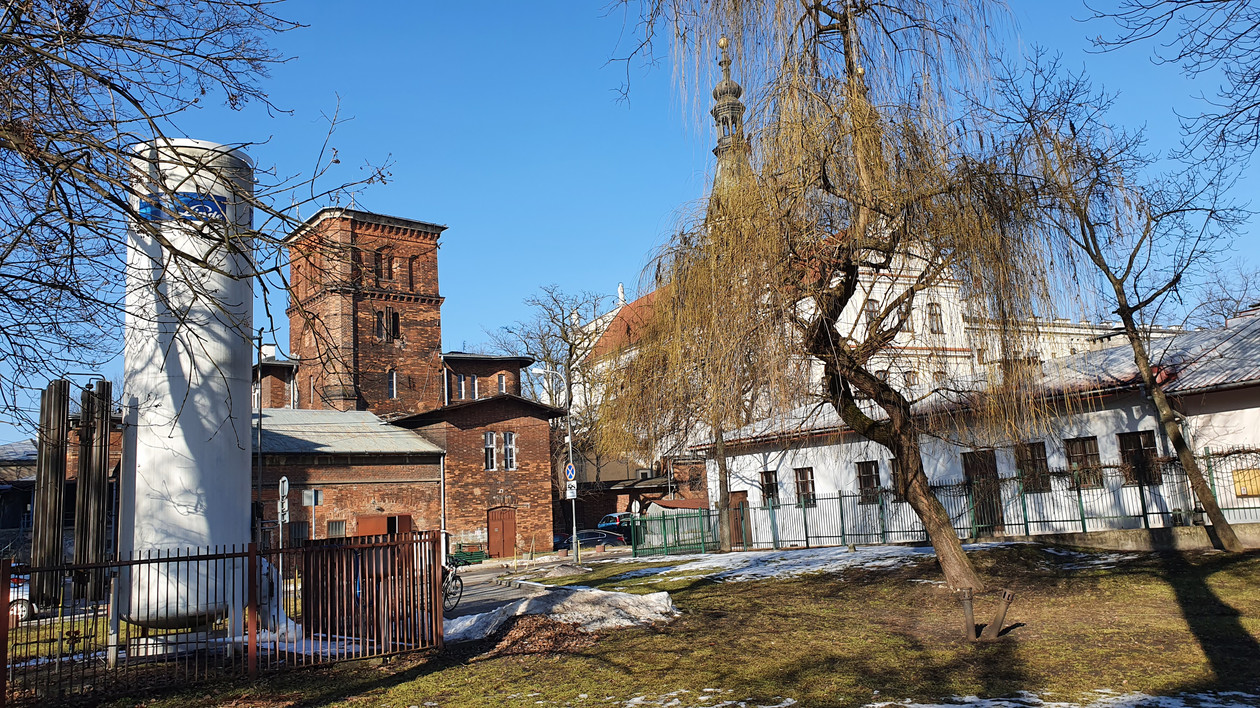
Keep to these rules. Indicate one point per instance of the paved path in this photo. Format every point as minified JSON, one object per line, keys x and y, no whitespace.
{"x":482,"y":594}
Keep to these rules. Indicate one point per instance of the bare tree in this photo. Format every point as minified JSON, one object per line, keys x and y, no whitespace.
{"x":1203,"y":37}
{"x":561,"y":335}
{"x":1146,"y":237}
{"x":1228,"y":293}
{"x":81,"y":84}
{"x":874,"y":191}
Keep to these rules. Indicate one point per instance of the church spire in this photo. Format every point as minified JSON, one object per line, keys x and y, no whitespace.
{"x":728,"y":112}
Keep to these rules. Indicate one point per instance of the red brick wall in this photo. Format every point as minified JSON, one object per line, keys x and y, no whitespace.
{"x":487,"y":373}
{"x":275,"y":386}
{"x":472,"y":490}
{"x":332,"y":320}
{"x":355,"y":488}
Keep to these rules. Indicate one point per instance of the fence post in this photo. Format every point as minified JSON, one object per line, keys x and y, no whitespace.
{"x":1146,"y":521}
{"x":6,"y":577}
{"x":702,"y":519}
{"x":971,"y":510}
{"x":1023,"y":502}
{"x":251,"y":657}
{"x":883,"y":520}
{"x":1207,"y":461}
{"x":805,"y":523}
{"x":774,"y":525}
{"x":1080,"y":500}
{"x":840,"y":500}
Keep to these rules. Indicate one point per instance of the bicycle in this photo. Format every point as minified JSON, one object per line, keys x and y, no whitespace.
{"x":452,"y":584}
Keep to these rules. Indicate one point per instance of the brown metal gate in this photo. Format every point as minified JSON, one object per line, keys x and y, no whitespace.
{"x":502,"y":524}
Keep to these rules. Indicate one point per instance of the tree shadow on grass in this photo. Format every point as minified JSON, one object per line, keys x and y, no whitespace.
{"x":1232,"y":652}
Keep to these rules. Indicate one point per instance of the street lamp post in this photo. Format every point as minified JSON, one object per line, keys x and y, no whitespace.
{"x":568,"y":430}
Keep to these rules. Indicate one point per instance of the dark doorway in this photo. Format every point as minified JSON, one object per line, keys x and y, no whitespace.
{"x":738,"y":518}
{"x":984,"y":490}
{"x":502,"y":524}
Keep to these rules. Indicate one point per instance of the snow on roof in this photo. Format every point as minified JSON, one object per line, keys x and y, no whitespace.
{"x":289,"y":431}
{"x":20,"y":452}
{"x":1189,"y":362}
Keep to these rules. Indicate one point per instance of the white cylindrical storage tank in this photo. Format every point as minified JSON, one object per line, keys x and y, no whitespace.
{"x":187,"y":361}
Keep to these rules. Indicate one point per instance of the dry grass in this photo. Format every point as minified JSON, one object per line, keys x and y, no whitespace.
{"x":1161,"y":624}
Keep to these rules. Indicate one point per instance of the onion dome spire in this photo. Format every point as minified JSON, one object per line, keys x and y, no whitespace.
{"x":728,"y":112}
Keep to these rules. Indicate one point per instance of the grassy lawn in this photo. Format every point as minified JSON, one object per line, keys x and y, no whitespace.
{"x":1156,"y":624}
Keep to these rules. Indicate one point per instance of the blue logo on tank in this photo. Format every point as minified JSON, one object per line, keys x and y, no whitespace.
{"x":188,"y":205}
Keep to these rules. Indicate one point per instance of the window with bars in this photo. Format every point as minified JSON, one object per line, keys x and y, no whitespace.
{"x":299,"y":531}
{"x":868,"y":482}
{"x":770,"y":487}
{"x":805,"y":487}
{"x":336,"y":529}
{"x":1083,"y":461}
{"x":936,"y":323}
{"x":1139,"y":455}
{"x":1034,"y":471}
{"x":489,"y":450}
{"x":509,"y":451}
{"x":870,"y":310}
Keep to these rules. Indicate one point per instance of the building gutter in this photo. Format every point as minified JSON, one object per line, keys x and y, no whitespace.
{"x":442,"y":484}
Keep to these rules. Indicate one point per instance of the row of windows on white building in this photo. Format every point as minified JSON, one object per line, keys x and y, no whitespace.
{"x":1138,"y":453}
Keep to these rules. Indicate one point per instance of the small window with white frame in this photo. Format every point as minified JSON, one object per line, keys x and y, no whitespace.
{"x":474,"y":386}
{"x":509,"y":451}
{"x":460,"y":384}
{"x":489,"y":450}
{"x":393,"y":383}
{"x":502,"y":383}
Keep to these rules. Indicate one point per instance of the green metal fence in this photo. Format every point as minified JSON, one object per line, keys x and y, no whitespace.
{"x":1064,"y":501}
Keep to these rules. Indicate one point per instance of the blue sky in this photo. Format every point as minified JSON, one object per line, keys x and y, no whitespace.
{"x":505,"y":125}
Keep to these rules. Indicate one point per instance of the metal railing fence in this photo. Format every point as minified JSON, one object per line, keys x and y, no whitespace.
{"x":170,"y":618}
{"x":1060,"y":501}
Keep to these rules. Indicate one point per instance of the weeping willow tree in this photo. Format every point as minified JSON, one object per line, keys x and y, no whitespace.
{"x":875,"y":202}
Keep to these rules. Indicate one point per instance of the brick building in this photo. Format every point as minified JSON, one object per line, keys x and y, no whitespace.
{"x":386,"y":431}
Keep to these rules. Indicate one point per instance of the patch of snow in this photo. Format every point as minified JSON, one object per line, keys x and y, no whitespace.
{"x":591,"y":610}
{"x":761,"y":565}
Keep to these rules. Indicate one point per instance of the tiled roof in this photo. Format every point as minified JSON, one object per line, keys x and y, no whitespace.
{"x":289,"y":431}
{"x":625,"y":328}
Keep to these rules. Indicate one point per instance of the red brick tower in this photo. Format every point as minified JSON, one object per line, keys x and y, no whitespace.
{"x":365,"y":313}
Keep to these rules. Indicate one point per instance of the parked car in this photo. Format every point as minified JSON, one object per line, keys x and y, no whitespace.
{"x":20,"y":606}
{"x":594,"y":537}
{"x":619,"y":523}
{"x":561,"y":540}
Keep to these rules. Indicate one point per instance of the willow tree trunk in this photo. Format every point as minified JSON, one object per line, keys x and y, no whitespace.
{"x":724,"y":493}
{"x":1172,"y":428}
{"x":958,"y":570}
